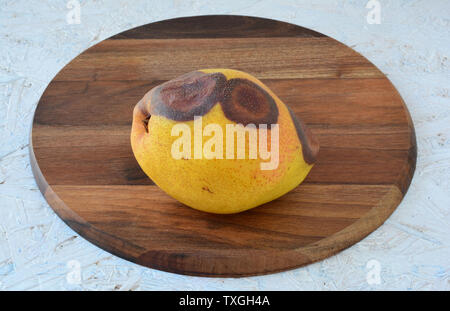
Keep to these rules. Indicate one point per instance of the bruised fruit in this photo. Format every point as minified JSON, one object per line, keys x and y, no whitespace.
{"x":220,"y":141}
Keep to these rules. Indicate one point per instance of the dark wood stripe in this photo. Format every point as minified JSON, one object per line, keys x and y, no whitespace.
{"x":106,"y":103}
{"x":264,"y":58}
{"x":114,"y":165}
{"x":216,"y":26}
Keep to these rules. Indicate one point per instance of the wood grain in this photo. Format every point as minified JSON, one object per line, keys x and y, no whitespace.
{"x":82,"y":159}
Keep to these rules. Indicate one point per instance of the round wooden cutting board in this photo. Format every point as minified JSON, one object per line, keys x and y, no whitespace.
{"x":83,"y":163}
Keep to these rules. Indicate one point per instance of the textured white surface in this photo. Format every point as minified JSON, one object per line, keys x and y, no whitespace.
{"x":411,"y":45}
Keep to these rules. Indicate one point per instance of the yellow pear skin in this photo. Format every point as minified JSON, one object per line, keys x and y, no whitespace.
{"x":202,"y":172}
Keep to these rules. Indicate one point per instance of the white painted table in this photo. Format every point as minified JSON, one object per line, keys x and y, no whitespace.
{"x":411,"y":45}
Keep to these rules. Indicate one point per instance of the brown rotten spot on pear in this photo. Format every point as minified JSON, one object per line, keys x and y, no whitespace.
{"x":221,"y":97}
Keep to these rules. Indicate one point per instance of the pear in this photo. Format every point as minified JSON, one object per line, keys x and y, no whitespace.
{"x":220,"y":141}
